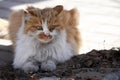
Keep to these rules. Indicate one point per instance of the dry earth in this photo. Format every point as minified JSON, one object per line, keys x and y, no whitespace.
{"x":95,"y":65}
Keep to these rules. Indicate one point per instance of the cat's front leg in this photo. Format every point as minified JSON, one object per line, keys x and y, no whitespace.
{"x":27,"y":66}
{"x":30,"y":67}
{"x":48,"y":65}
{"x":23,"y":60}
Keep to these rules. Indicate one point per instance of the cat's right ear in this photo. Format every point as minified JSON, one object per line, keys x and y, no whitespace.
{"x":27,"y":16}
{"x":32,"y":10}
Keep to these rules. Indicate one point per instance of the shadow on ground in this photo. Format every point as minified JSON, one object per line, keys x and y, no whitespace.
{"x":6,"y":55}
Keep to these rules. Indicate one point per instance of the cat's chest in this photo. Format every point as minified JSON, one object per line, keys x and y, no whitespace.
{"x":57,"y":50}
{"x":44,"y":52}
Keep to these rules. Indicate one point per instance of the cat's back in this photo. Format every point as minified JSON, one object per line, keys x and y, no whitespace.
{"x":71,"y":20}
{"x":15,"y":20}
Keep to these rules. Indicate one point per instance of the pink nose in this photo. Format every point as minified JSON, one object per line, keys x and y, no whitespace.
{"x":44,"y":36}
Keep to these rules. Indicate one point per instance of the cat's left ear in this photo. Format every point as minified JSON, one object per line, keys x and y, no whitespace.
{"x":32,"y":10}
{"x":59,"y":9}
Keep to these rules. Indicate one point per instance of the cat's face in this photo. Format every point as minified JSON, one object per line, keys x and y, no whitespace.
{"x":43,"y":24}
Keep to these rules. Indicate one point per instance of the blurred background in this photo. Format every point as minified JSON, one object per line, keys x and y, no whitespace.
{"x":99,"y":21}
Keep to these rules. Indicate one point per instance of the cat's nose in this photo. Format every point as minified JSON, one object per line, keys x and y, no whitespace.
{"x":44,"y":36}
{"x":46,"y":33}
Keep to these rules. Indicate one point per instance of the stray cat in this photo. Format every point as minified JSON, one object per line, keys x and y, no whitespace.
{"x":44,"y":37}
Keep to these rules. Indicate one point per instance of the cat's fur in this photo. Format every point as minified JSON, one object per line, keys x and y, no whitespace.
{"x":44,"y":37}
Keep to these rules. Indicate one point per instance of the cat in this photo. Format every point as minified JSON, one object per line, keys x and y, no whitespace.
{"x":42,"y":38}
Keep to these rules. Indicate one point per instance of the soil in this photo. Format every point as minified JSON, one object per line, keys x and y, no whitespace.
{"x":94,"y":65}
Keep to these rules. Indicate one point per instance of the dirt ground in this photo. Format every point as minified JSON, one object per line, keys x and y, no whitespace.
{"x":95,"y":65}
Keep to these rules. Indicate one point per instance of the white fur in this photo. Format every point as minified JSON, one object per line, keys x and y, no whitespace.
{"x":29,"y":51}
{"x":45,"y":27}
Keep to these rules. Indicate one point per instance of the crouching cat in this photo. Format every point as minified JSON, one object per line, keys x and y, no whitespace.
{"x":43,"y":38}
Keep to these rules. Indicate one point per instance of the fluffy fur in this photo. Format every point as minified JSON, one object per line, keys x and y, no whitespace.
{"x":44,"y":37}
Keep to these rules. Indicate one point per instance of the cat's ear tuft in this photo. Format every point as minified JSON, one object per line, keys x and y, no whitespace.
{"x":59,"y":9}
{"x":31,"y":10}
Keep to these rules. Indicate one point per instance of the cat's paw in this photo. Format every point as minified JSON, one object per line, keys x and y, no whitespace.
{"x":30,"y":67}
{"x":48,"y":65}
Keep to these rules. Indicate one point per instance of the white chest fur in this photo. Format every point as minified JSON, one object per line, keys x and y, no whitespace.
{"x":59,"y":50}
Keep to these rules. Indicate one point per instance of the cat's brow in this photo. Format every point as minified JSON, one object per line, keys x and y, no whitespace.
{"x":38,"y":15}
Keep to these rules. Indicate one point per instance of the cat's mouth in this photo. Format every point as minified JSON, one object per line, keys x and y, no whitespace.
{"x":45,"y":38}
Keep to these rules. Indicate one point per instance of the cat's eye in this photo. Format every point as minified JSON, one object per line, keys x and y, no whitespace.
{"x":51,"y":29}
{"x":25,"y":21}
{"x":39,"y":28}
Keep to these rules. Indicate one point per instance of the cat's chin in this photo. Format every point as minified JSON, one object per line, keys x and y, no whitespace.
{"x":44,"y":41}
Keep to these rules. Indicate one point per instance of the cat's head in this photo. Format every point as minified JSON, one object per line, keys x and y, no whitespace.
{"x":43,"y":23}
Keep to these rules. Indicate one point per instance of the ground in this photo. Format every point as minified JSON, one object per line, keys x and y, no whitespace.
{"x":95,"y":65}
